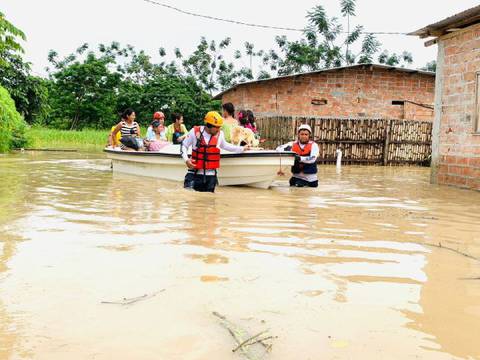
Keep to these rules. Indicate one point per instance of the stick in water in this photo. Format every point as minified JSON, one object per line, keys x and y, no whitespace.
{"x":129,"y":301}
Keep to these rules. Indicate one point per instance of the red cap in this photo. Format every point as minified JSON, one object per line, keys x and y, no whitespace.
{"x":158,"y":115}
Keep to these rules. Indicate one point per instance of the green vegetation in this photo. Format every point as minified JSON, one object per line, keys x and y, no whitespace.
{"x":12,"y":125}
{"x":88,"y":140}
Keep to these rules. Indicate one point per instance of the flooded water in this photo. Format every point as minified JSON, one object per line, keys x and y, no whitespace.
{"x":375,"y":264}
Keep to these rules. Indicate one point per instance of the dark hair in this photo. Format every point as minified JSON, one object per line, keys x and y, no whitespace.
{"x":243,"y":117}
{"x":176,"y":116}
{"x":229,"y":108}
{"x":251,"y":117}
{"x":127,"y":112}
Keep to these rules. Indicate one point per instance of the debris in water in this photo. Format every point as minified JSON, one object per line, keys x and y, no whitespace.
{"x":244,"y":340}
{"x":129,"y":301}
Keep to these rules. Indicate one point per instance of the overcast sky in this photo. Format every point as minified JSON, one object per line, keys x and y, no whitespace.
{"x":63,"y":25}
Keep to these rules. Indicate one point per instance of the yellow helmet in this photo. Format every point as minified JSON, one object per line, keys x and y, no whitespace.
{"x":213,"y":118}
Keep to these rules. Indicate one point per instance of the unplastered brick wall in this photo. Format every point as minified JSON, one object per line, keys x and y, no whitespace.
{"x":457,"y":157}
{"x":352,"y":92}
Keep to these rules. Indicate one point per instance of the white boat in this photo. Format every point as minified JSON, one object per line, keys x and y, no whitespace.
{"x":256,"y":168}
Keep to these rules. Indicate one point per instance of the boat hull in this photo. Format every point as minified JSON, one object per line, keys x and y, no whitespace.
{"x":253,"y":168}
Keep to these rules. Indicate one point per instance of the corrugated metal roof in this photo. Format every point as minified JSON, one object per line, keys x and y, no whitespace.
{"x":376,"y":66}
{"x":458,"y":21}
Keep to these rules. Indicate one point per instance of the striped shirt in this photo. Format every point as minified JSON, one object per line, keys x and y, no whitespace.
{"x":125,"y":130}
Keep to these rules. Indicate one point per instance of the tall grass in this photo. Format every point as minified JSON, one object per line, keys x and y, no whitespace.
{"x":86,"y":140}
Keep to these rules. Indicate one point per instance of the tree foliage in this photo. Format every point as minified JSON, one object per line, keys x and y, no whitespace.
{"x":326,"y":44}
{"x":28,"y":92}
{"x":88,"y":89}
{"x":430,"y":66}
{"x":12,"y":125}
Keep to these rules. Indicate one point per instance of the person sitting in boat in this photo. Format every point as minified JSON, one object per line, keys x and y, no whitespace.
{"x":247,"y":120}
{"x":251,"y":121}
{"x":228,"y":112}
{"x":114,"y":142}
{"x":176,"y":132}
{"x":158,"y":117}
{"x":304,"y":171}
{"x":129,"y":131}
{"x":156,"y":141}
{"x":206,"y":142}
{"x":244,"y":133}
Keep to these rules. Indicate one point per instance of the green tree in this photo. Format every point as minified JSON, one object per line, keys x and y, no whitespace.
{"x":8,"y":38}
{"x":323,"y":45}
{"x":28,"y":92}
{"x":430,"y":66}
{"x":207,"y":65}
{"x":395,"y":59}
{"x":90,"y":88}
{"x":168,"y":93}
{"x":83,"y":91}
{"x":12,"y":126}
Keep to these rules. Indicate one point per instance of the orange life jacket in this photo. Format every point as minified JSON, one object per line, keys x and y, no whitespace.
{"x":302,"y":152}
{"x":206,"y":156}
{"x":299,"y":167}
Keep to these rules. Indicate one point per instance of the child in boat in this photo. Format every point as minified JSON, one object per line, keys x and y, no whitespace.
{"x":155,"y":141}
{"x":251,"y":121}
{"x":158,"y":117}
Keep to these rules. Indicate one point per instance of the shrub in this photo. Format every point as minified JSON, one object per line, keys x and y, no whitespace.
{"x":12,"y":126}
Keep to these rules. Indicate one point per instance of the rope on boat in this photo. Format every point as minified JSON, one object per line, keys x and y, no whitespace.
{"x":280,"y":171}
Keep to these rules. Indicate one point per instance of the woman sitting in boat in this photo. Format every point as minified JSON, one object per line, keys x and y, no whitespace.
{"x":206,"y":142}
{"x":129,"y":131}
{"x":176,"y":132}
{"x":158,"y":117}
{"x":304,"y":171}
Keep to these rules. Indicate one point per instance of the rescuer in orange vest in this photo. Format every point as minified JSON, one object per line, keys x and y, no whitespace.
{"x":304,"y":171}
{"x":206,"y":142}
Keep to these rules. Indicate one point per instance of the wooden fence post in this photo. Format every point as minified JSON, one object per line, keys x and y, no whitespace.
{"x":388,"y":129}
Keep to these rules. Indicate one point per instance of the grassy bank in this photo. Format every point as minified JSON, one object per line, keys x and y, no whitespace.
{"x":86,"y":140}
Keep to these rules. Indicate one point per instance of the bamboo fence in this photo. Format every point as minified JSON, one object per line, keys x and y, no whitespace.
{"x":367,"y":141}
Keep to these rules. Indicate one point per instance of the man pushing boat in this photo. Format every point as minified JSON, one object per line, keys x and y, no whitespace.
{"x":206,"y":142}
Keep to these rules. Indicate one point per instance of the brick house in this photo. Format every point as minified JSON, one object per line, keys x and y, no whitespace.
{"x":367,"y":90}
{"x":456,"y":128}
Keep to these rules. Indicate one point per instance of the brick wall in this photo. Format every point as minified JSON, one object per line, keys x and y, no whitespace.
{"x":456,"y":157}
{"x":354,"y":92}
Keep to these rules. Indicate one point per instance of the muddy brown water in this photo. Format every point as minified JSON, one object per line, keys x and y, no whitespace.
{"x":351,"y":270}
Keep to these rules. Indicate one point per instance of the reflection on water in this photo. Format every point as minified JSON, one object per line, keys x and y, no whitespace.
{"x":367,"y":263}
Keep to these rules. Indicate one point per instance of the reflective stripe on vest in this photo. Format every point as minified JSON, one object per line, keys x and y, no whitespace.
{"x":300,"y":167}
{"x":206,"y":156}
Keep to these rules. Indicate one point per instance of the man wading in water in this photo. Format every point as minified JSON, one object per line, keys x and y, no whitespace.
{"x":304,"y":170}
{"x":206,"y":142}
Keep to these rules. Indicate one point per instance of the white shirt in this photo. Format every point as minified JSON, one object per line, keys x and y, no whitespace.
{"x":191,"y":141}
{"x":312,"y":158}
{"x":151,"y":135}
